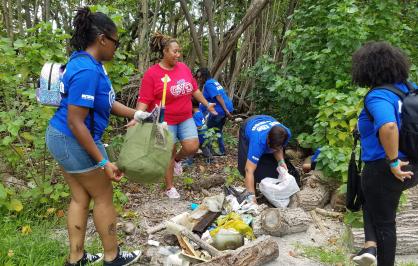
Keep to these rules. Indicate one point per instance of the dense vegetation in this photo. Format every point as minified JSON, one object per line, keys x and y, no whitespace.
{"x":291,"y":60}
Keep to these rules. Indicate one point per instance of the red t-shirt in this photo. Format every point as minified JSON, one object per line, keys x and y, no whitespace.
{"x":181,"y":85}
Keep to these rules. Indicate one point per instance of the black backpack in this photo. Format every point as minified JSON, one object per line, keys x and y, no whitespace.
{"x":354,"y":196}
{"x":408,"y":136}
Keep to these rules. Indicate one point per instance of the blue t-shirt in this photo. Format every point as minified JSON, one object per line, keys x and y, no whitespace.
{"x":256,"y":132}
{"x":385,"y":107}
{"x":199,"y":119}
{"x":85,"y":83}
{"x":213,"y":88}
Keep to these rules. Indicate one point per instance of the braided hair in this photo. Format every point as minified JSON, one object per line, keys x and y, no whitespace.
{"x":87,"y":25}
{"x":159,"y":42}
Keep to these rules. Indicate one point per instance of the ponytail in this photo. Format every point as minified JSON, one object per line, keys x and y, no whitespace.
{"x":87,"y":25}
{"x":159,"y":42}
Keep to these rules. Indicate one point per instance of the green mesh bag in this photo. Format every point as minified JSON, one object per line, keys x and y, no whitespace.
{"x":146,"y":152}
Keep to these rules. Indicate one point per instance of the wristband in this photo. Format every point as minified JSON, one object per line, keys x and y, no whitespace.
{"x":394,"y":164}
{"x":102,"y":163}
{"x":280,"y":161}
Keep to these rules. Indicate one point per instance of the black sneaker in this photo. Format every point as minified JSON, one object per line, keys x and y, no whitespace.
{"x":366,"y":257}
{"x":124,"y":258}
{"x":87,"y":259}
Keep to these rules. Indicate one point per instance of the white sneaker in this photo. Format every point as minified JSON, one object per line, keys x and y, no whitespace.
{"x":172,"y":193}
{"x":178,"y":169}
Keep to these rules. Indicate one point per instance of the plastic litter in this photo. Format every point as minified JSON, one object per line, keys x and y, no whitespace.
{"x":279,"y":190}
{"x":233,"y":221}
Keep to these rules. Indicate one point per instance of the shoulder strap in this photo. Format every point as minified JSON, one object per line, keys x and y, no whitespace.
{"x":388,"y":87}
{"x":410,"y":87}
{"x":356,"y":137}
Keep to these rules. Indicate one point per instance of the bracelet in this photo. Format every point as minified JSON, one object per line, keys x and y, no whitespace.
{"x":102,"y":163}
{"x":281,"y":161}
{"x":394,"y":164}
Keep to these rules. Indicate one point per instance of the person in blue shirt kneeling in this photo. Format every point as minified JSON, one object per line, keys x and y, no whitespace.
{"x":214,"y":92}
{"x":386,"y":172}
{"x":261,"y":149}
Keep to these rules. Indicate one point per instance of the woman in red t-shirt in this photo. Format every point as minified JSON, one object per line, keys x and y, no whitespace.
{"x":178,"y":113}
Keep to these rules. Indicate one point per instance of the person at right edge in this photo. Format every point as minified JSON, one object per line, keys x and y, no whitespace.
{"x":387,"y":171}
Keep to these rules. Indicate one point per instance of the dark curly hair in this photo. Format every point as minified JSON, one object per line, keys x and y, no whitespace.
{"x":379,"y":63}
{"x":277,"y":137}
{"x":204,"y":73}
{"x":87,"y":25}
{"x":159,"y":42}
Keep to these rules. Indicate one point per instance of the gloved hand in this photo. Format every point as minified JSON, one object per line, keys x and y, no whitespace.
{"x":141,"y":115}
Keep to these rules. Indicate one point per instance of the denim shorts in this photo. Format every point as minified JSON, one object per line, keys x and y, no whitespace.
{"x":184,"y":131}
{"x":69,"y":154}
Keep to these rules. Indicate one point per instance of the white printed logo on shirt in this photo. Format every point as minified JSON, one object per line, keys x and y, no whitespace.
{"x":254,"y":158}
{"x":264,"y":125}
{"x":87,"y":97}
{"x":181,"y":88}
{"x":111,"y":96}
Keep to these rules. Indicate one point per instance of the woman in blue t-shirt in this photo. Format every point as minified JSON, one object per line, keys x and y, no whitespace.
{"x":74,"y":137}
{"x":386,"y":172}
{"x":261,"y":149}
{"x":214,"y":92}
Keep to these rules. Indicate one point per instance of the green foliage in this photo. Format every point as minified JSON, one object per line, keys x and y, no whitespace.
{"x":314,"y":81}
{"x":8,"y":200}
{"x":331,"y":255}
{"x":211,"y":139}
{"x":232,"y":175}
{"x":23,"y":121}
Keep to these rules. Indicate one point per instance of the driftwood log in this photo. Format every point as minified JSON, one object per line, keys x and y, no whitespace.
{"x":406,"y":229}
{"x":208,"y":182}
{"x":258,"y":252}
{"x":314,"y":193}
{"x":280,"y":222}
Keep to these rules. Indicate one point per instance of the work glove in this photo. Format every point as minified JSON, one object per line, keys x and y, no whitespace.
{"x":141,"y":115}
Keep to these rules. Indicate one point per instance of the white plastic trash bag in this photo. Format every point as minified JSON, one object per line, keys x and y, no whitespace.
{"x":279,"y":190}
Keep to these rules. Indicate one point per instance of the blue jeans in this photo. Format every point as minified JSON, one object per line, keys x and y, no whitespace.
{"x":184,"y":131}
{"x":218,"y":121}
{"x":69,"y":154}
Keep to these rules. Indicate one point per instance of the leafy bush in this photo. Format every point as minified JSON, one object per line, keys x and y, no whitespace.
{"x":311,"y":91}
{"x":23,"y":121}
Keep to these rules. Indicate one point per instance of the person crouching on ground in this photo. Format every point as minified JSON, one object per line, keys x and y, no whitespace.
{"x":261,"y":150}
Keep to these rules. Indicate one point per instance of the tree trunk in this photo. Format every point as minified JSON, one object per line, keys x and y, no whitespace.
{"x":239,"y":62}
{"x":47,"y":10}
{"x":20,"y":17}
{"x":8,"y":17}
{"x":314,"y":194}
{"x":257,"y":252}
{"x":193,"y":33}
{"x":142,"y":32}
{"x":28,"y":19}
{"x":280,"y":222}
{"x":252,"y":12}
{"x":286,"y":26}
{"x":208,"y":182}
{"x":213,"y":38}
{"x":406,"y":230}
